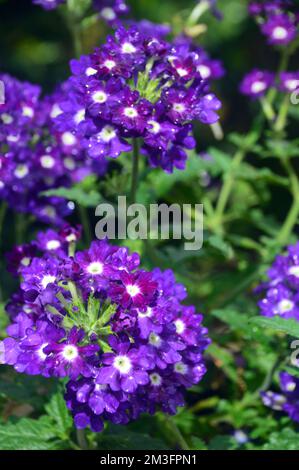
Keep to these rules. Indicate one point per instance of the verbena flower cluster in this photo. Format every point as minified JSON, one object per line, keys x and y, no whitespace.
{"x":288,"y":400}
{"x":109,"y":10}
{"x":138,"y":86}
{"x":120,"y":334}
{"x":278,"y":20}
{"x":280,"y":292}
{"x":35,"y":157}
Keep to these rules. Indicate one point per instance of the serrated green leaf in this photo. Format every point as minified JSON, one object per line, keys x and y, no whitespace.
{"x":60,"y":415}
{"x":28,"y":434}
{"x":289,"y":326}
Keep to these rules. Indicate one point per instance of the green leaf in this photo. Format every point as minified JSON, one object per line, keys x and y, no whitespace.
{"x":119,"y":439}
{"x":287,"y":439}
{"x":60,"y":415}
{"x":28,"y":434}
{"x":221,"y":245}
{"x":223,"y":443}
{"x":289,"y":326}
{"x":76,"y":194}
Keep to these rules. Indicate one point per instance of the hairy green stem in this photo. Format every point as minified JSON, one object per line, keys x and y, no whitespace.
{"x":82,"y":439}
{"x":173,"y":432}
{"x":84,"y":217}
{"x":281,"y":120}
{"x":292,"y":217}
{"x":228,"y":186}
{"x":135,"y":171}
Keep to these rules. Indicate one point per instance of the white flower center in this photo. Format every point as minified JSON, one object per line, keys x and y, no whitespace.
{"x":21,"y":171}
{"x":55,"y":111}
{"x":71,"y":238}
{"x":53,"y":244}
{"x":148,"y":313}
{"x":13,"y":138}
{"x":154,"y":340}
{"x":107,"y":134}
{"x":285,"y":305}
{"x":181,"y":72}
{"x":70,"y":352}
{"x":291,"y":386}
{"x":99,"y":97}
{"x":47,"y":279}
{"x":68,"y":138}
{"x":279,"y":32}
{"x":40,"y":352}
{"x":179,"y":326}
{"x":181,"y":368}
{"x":79,"y":116}
{"x":130,"y":112}
{"x":27,"y":111}
{"x":6,"y":118}
{"x":122,"y":364}
{"x":25,"y":261}
{"x":179,"y":107}
{"x":90,"y":71}
{"x":47,"y":161}
{"x":109,"y":64}
{"x":292,"y":84}
{"x":128,"y":48}
{"x":155,"y":127}
{"x":204,"y":71}
{"x":96,"y":267}
{"x":108,"y":14}
{"x":258,"y":86}
{"x":155,"y":379}
{"x":132,"y":290}
{"x":294,"y":271}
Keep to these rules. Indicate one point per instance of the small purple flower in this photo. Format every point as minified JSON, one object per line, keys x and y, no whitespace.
{"x":48,"y":4}
{"x":280,"y":291}
{"x":289,"y":81}
{"x":256,"y":83}
{"x":288,"y":399}
{"x":279,"y":29}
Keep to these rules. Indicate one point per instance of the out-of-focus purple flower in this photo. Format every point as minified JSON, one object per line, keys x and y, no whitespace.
{"x":279,"y":29}
{"x":280,"y":292}
{"x":256,"y":83}
{"x":278,"y":20}
{"x":109,"y":10}
{"x":120,"y":335}
{"x":48,"y":4}
{"x":288,"y":81}
{"x":35,"y":157}
{"x":288,"y":399}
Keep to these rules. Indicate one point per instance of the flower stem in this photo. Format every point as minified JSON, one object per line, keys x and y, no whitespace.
{"x":281,"y":120}
{"x":3,"y":209}
{"x":172,"y":431}
{"x":293,"y":214}
{"x":227,"y":187}
{"x":82,"y":439}
{"x":85,"y":223}
{"x":135,"y":171}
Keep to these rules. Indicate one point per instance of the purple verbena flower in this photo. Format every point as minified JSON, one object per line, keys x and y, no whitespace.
{"x":119,"y":335}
